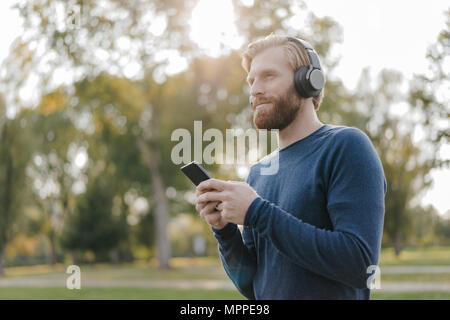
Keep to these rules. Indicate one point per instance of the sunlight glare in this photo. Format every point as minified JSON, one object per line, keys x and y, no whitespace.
{"x":212,"y":27}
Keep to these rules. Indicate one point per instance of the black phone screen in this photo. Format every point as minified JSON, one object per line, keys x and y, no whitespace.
{"x":195,"y":172}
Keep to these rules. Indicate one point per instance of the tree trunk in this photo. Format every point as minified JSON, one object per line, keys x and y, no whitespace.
{"x":53,"y":259}
{"x":153,"y":158}
{"x":114,"y":256}
{"x":6,"y":200}
{"x":162,"y":206}
{"x":2,"y":254}
{"x":162,"y":221}
{"x":397,"y":247}
{"x":73,"y":257}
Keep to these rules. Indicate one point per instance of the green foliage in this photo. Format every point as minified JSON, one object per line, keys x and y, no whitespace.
{"x":144,"y":233}
{"x":428,"y":93}
{"x":95,"y":225}
{"x":16,"y":145}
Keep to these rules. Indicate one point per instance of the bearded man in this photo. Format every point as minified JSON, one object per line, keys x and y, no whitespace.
{"x":313,"y":229}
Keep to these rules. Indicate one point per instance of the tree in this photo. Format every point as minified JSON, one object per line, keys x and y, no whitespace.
{"x":54,"y":152}
{"x":108,"y":34}
{"x":428,"y":95}
{"x":406,"y":162}
{"x":94,"y":226}
{"x":15,"y":146}
{"x":426,"y":223}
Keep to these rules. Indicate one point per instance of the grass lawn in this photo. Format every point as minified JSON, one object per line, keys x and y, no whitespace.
{"x":415,"y":277}
{"x":117,"y":294}
{"x":200,"y":269}
{"x":208,"y":268}
{"x":432,"y":256}
{"x":170,"y":294}
{"x":426,"y":295}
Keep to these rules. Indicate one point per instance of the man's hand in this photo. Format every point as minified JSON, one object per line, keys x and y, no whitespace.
{"x":234,"y":197}
{"x":209,"y":212}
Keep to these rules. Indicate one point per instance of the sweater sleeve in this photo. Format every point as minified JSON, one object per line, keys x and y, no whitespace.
{"x":238,"y":256}
{"x":355,"y":202}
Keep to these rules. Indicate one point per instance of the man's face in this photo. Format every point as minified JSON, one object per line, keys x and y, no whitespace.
{"x":271,"y":80}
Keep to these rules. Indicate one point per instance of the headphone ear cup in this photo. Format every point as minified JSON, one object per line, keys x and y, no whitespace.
{"x":300,"y":81}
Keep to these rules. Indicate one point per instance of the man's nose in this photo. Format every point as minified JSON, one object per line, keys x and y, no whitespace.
{"x":256,"y":89}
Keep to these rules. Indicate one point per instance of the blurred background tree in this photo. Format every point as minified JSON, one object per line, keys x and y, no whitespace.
{"x":16,"y":146}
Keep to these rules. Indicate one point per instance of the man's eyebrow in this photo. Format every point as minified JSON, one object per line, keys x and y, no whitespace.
{"x":269,"y":70}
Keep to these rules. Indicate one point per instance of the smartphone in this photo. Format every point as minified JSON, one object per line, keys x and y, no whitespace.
{"x":195,"y":172}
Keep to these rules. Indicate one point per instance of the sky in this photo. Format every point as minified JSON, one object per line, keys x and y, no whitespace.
{"x":376,"y":33}
{"x":383,"y":33}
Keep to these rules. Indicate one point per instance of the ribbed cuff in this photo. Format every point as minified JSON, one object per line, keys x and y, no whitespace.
{"x":227,"y":232}
{"x":252,"y":212}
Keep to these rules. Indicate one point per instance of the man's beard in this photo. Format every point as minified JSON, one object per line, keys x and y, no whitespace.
{"x":280,"y":114}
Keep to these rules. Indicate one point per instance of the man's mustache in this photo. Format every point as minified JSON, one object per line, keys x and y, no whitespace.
{"x":259,"y":101}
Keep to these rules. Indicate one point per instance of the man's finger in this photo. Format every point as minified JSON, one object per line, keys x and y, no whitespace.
{"x":207,"y":209}
{"x":199,"y":192}
{"x":213,"y":218}
{"x":212,"y":183}
{"x":210,"y":196}
{"x":199,"y":206}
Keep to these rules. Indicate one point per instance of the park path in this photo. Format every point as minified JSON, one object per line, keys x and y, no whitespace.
{"x":414,"y":269}
{"x":97,"y":283}
{"x":58,"y":281}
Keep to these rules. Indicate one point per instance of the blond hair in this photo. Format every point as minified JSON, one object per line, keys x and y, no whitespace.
{"x":296,"y":55}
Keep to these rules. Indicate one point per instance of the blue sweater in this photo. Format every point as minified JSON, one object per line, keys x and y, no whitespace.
{"x":317,"y":225}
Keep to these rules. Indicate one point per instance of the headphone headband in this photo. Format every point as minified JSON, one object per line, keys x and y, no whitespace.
{"x":313,"y":58}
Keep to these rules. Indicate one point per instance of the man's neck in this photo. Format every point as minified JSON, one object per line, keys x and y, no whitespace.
{"x":305,"y":123}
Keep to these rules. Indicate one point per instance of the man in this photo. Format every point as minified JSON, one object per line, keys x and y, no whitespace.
{"x":313,"y":229}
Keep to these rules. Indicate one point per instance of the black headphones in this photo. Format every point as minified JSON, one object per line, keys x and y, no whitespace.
{"x":308,"y":80}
